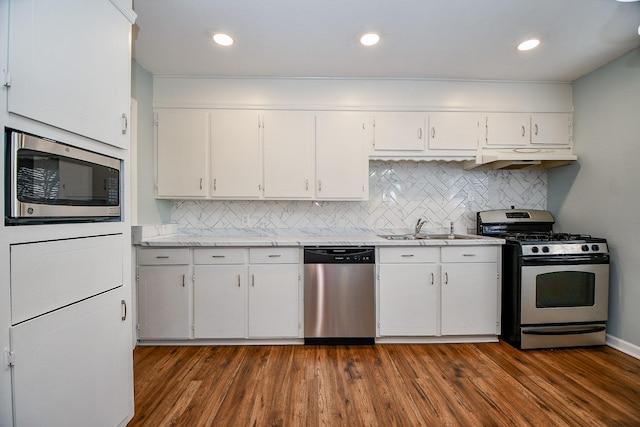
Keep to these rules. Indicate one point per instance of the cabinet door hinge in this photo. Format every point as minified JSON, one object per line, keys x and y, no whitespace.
{"x":9,"y":358}
{"x":6,"y":78}
{"x":193,"y":326}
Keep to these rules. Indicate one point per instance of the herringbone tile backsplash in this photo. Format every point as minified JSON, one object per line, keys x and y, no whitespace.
{"x":400,"y":193}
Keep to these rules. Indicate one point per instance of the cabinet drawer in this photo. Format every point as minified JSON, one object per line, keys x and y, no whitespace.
{"x":219,"y":256}
{"x":161,"y":256}
{"x":470,"y":254}
{"x":274,"y":255}
{"x":408,"y":254}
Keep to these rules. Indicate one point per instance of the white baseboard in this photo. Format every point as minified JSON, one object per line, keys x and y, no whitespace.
{"x":624,"y":346}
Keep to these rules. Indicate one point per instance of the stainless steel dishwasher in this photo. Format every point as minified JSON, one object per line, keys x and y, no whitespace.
{"x":339,"y":295}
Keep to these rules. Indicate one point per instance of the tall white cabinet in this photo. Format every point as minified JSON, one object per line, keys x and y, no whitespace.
{"x":65,"y":289}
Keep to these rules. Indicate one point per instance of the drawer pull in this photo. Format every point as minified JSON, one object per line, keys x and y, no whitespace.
{"x":218,"y":256}
{"x":162,"y":257}
{"x":406,"y":255}
{"x":275,"y":256}
{"x":468,"y":254}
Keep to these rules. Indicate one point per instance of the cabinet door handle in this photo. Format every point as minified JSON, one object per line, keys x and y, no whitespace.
{"x":319,"y":185}
{"x":446,"y":278}
{"x":214,"y":184}
{"x":162,"y":257}
{"x":535,"y":129}
{"x":433,"y":132}
{"x":433,"y":278}
{"x":419,"y":133}
{"x":406,"y":255}
{"x":123,"y":303}
{"x":238,"y":280}
{"x":201,"y":183}
{"x":523,"y":130}
{"x":183,"y":280}
{"x":253,"y":280}
{"x":275,"y":256}
{"x":125,"y":124}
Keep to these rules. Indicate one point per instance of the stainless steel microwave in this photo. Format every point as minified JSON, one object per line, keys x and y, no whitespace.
{"x":49,"y":182}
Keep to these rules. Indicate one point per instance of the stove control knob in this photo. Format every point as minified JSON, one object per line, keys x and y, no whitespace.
{"x":534,"y":249}
{"x":545,"y":249}
{"x":595,"y":248}
{"x":585,"y":248}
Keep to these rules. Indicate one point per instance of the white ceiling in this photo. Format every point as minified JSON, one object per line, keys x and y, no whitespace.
{"x":449,"y":39}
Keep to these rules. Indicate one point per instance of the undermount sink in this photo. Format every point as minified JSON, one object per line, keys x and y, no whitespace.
{"x":425,"y":236}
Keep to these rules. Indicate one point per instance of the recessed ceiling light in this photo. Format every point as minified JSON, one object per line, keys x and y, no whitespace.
{"x":223,"y":39}
{"x":369,"y":39}
{"x":529,"y":44}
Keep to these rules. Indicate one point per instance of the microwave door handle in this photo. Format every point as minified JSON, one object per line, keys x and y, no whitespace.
{"x":590,"y":330}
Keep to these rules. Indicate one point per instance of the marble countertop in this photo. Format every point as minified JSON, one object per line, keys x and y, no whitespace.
{"x":167,"y":236}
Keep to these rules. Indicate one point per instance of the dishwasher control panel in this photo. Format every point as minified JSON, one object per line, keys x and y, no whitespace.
{"x":339,"y":255}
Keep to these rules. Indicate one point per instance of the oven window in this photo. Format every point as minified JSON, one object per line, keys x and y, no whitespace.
{"x":565,"y":289}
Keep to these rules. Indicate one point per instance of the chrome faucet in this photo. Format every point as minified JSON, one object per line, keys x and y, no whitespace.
{"x":421,"y":222}
{"x":451,"y":228}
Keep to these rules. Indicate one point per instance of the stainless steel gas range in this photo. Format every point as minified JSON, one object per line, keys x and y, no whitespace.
{"x":555,"y":286}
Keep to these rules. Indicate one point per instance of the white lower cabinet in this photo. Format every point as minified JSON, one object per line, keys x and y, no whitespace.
{"x":74,"y":367}
{"x":408,"y":294}
{"x":273,"y":301}
{"x":436,"y":291}
{"x":246,"y":293}
{"x":469,"y":291}
{"x":163,"y":294}
{"x":219,"y":293}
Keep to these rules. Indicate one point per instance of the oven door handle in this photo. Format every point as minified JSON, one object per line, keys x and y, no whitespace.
{"x":589,"y":330}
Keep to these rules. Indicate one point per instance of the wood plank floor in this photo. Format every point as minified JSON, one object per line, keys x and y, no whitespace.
{"x":385,"y":385}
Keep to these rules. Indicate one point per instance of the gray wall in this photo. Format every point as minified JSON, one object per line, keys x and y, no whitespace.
{"x":600,"y":194}
{"x":150,"y":210}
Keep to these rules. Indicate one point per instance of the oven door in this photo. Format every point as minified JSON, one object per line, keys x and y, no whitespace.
{"x":564,"y":291}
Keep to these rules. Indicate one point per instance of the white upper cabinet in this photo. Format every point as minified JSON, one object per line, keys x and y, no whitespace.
{"x":522,"y":129}
{"x":508,"y":129}
{"x":400,"y":131}
{"x":288,"y":138}
{"x":455,"y":130}
{"x":342,"y":168}
{"x":236,"y":167}
{"x":551,"y":128}
{"x":182,"y":153}
{"x":70,"y":66}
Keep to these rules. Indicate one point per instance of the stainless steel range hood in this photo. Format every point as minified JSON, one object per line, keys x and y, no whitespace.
{"x":521,"y":158}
